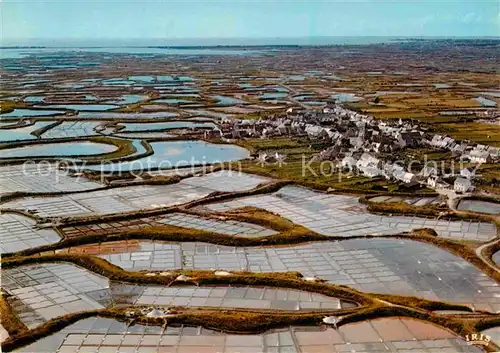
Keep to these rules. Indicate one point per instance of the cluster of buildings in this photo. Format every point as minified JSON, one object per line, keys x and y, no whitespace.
{"x":363,"y":144}
{"x":474,"y":153}
{"x":372,"y":167}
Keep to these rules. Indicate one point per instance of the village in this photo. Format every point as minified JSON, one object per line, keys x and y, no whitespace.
{"x":361,"y":144}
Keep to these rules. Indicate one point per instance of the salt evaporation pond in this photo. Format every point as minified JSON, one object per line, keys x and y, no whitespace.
{"x":34,"y":99}
{"x":117,"y":82}
{"x":161,"y":78}
{"x":144,"y":135}
{"x":58,"y":149}
{"x":84,"y":107}
{"x":296,"y":78}
{"x":22,"y":133}
{"x":128,"y":99}
{"x":347,"y":97}
{"x":134,"y":127}
{"x":208,"y":113}
{"x":114,"y":115}
{"x":316,"y":103}
{"x":189,"y":95}
{"x":441,"y":85}
{"x":479,"y":206}
{"x":25,"y":52}
{"x":227,"y":101}
{"x":168,"y":78}
{"x":168,"y":154}
{"x":303,"y":97}
{"x":493,"y":94}
{"x":486,"y":102}
{"x":171,"y":101}
{"x":496,"y":258}
{"x":146,"y":79}
{"x":268,"y":95}
{"x":17,"y":113}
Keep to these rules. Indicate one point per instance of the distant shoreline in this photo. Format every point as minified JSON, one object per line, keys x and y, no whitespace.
{"x":252,"y":46}
{"x":223,"y":43}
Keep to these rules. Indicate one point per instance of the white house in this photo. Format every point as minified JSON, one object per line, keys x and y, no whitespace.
{"x":236,"y":133}
{"x":376,"y":146}
{"x":389,"y":169}
{"x":460,"y":148}
{"x":371,"y":171}
{"x":462,"y":185}
{"x":283,"y":129}
{"x":409,"y":178}
{"x":405,"y":177}
{"x":315,"y":131}
{"x":468,"y":173}
{"x":367,"y":160}
{"x":432,"y":181}
{"x":436,"y":141}
{"x":479,"y":156}
{"x":494,"y":152}
{"x":447,"y":141}
{"x":348,"y":162}
{"x":263,"y":157}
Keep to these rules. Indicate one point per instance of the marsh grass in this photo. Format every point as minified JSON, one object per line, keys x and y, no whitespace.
{"x":9,"y":320}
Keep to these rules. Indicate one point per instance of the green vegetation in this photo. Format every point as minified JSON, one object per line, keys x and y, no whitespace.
{"x":259,"y":216}
{"x":125,"y":148}
{"x":254,"y":145}
{"x":263,"y":114}
{"x":9,"y":320}
{"x":490,"y":179}
{"x":8,"y":105}
{"x":403,"y":208}
{"x":421,"y":303}
{"x":426,"y":105}
{"x":301,"y":168}
{"x":297,"y":168}
{"x":474,"y":131}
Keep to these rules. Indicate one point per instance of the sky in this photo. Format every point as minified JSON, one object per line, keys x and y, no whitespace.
{"x":23,"y":20}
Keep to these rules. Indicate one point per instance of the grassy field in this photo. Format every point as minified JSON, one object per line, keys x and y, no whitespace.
{"x":316,"y":174}
{"x":426,"y":105}
{"x":474,"y":131}
{"x":8,"y":106}
{"x":458,"y":127}
{"x":490,"y":178}
{"x":320,"y":175}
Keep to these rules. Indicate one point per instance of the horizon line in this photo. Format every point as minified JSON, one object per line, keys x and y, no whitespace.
{"x":266,"y":37}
